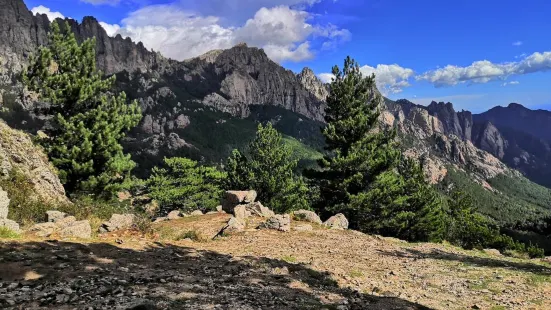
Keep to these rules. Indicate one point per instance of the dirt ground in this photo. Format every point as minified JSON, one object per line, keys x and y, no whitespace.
{"x":180,"y":267}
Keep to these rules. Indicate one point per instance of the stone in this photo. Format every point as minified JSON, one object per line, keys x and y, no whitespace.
{"x":219,"y":209}
{"x":493,"y":252}
{"x":307,"y":216}
{"x":303,"y":227}
{"x":241,"y":212}
{"x":123,"y":196}
{"x":11,"y":225}
{"x":43,"y":229}
{"x":160,"y":219}
{"x":118,"y":222}
{"x":257,"y":209}
{"x":234,"y":198}
{"x":278,"y":222}
{"x":53,"y":215}
{"x":234,"y":225}
{"x":80,"y":229}
{"x":64,"y":222}
{"x":196,"y":213}
{"x":337,"y":221}
{"x":173,"y":215}
{"x":4,"y":203}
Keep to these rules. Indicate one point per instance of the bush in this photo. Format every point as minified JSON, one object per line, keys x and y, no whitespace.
{"x":186,"y":186}
{"x":6,"y":233}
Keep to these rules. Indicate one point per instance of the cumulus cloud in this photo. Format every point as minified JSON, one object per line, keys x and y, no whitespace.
{"x":44,"y":10}
{"x":284,"y":33}
{"x":390,"y":79}
{"x":485,"y":71}
{"x":111,"y":29}
{"x":517,"y":43}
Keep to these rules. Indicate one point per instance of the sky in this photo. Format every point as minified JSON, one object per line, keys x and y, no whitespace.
{"x":474,"y":53}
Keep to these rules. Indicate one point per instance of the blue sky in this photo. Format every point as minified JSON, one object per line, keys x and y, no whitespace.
{"x":475,"y":54}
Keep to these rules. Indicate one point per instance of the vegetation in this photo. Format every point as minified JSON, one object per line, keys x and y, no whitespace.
{"x":267,"y":167}
{"x":6,"y":233}
{"x":88,"y":122}
{"x":185,"y":185}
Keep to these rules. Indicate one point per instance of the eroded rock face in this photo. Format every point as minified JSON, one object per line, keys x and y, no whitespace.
{"x":17,"y":152}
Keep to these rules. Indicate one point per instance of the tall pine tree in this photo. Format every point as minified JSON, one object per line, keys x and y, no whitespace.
{"x":267,"y":167}
{"x":88,"y":121}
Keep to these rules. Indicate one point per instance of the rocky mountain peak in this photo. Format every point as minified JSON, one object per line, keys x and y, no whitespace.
{"x":312,"y":83}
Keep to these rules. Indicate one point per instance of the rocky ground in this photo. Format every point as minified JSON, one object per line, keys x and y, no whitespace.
{"x":180,"y":267}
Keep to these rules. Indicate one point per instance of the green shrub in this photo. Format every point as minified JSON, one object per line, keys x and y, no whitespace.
{"x":6,"y":233}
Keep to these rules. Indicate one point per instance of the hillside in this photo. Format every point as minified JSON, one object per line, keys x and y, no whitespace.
{"x":319,"y":269}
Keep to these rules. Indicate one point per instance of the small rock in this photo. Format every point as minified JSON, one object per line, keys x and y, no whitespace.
{"x":118,"y":222}
{"x":234,"y":225}
{"x":307,"y":216}
{"x":278,"y":222}
{"x":219,"y":209}
{"x":257,"y":209}
{"x":196,"y":213}
{"x":65,"y":222}
{"x":338,"y":221}
{"x":80,"y":229}
{"x":43,"y":229}
{"x":11,"y":225}
{"x":54,"y":216}
{"x":241,"y":212}
{"x":173,"y":215}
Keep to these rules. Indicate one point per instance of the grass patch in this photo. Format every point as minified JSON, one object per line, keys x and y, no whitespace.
{"x":6,"y":233}
{"x":355,"y":273}
{"x":538,"y":279}
{"x":289,"y":259}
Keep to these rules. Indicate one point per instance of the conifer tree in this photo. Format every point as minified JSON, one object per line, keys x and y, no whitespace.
{"x":268,"y":168}
{"x":186,"y":186}
{"x":88,"y":121}
{"x":358,"y":152}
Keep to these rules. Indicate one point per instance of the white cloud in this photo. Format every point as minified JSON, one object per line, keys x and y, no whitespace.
{"x":485,"y":71}
{"x":283,"y":32}
{"x":390,"y":79}
{"x":101,"y":2}
{"x":44,"y":10}
{"x":111,"y":29}
{"x":510,"y":83}
{"x":517,"y":43}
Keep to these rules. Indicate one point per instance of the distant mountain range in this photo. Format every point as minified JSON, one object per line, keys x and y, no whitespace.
{"x":206,"y":106}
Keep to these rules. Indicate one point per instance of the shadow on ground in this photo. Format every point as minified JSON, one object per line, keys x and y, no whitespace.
{"x":103,"y":276}
{"x":471,"y":260}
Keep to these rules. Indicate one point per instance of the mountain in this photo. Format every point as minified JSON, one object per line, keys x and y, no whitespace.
{"x":206,"y":106}
{"x":521,"y":138}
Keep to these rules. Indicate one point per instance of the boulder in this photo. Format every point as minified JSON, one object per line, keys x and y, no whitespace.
{"x":43,"y":229}
{"x":234,"y":225}
{"x":257,"y":209}
{"x":278,"y":222}
{"x":80,"y":229}
{"x":54,"y":216}
{"x":160,"y":219}
{"x":234,"y":198}
{"x":303,"y":227}
{"x":64,"y":222}
{"x":4,"y":203}
{"x":11,"y":225}
{"x":219,"y":209}
{"x":118,"y":222}
{"x":196,"y":213}
{"x":306,"y":216}
{"x":493,"y":252}
{"x":173,"y":215}
{"x":241,"y":212}
{"x":338,"y":221}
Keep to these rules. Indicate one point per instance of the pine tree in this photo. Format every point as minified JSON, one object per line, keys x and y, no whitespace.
{"x":358,"y":151}
{"x":268,"y":168}
{"x":88,"y":121}
{"x":184,"y":185}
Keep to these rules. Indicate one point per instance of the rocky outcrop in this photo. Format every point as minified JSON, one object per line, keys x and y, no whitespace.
{"x":234,"y":198}
{"x":338,"y":221}
{"x":488,"y":138}
{"x":312,"y":83}
{"x":19,"y":155}
{"x":66,"y":227}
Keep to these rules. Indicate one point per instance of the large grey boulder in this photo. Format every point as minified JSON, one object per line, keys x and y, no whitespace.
{"x":241,"y":212}
{"x":118,"y":222}
{"x":80,"y":229}
{"x":278,"y":222}
{"x":235,"y":198}
{"x":307,"y":216}
{"x":64,"y":222}
{"x":43,"y":229}
{"x":9,"y":224}
{"x":196,"y":213}
{"x":54,"y":216}
{"x":4,"y":203}
{"x":257,"y":209}
{"x":234,"y":225}
{"x":338,"y":221}
{"x":173,"y":215}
